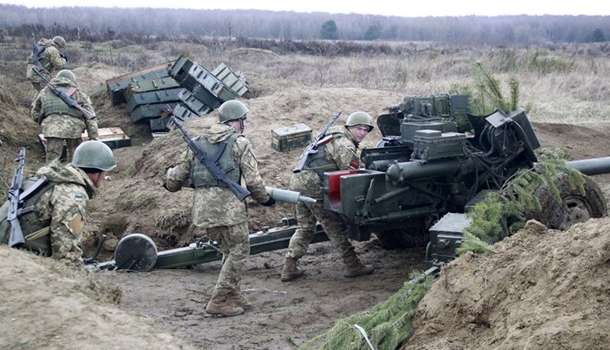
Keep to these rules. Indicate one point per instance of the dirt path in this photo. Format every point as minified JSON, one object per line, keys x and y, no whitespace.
{"x":283,"y":314}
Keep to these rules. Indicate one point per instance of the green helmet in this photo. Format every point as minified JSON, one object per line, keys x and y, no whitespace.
{"x":94,"y":155}
{"x":232,"y":110}
{"x":59,"y":41}
{"x":360,"y":118}
{"x":66,"y":74}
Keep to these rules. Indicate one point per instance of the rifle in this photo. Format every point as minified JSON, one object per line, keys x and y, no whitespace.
{"x":312,"y":148}
{"x":210,"y":164}
{"x":64,"y":97}
{"x":16,"y":236}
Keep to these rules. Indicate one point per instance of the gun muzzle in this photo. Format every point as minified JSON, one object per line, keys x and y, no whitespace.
{"x":281,"y":195}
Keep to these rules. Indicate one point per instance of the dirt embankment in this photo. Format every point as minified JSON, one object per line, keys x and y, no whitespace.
{"x":540,"y":289}
{"x":47,"y":305}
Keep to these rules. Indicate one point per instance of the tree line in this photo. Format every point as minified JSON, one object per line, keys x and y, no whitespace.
{"x":90,"y":23}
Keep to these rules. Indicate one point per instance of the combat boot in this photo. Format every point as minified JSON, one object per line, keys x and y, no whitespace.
{"x":239,"y":299}
{"x":223,"y":307}
{"x":354,"y":268}
{"x":290,"y":271}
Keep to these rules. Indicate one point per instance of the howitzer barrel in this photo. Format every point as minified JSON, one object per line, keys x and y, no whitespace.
{"x":592,"y":166}
{"x":403,"y":171}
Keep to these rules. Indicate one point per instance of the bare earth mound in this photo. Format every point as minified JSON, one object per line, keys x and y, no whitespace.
{"x":540,"y":289}
{"x":46,"y":305}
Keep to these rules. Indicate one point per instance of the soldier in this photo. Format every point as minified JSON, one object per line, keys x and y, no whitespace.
{"x":215,"y":208}
{"x":46,"y":55}
{"x":54,"y":213}
{"x":339,"y":152}
{"x":61,"y":124}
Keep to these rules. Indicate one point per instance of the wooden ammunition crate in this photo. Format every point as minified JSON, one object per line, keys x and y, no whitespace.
{"x":113,"y":137}
{"x":288,"y":138}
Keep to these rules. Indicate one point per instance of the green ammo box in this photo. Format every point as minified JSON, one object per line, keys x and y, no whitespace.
{"x":291,"y":137}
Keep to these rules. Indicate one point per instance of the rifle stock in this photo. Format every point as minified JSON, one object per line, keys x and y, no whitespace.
{"x":16,"y":235}
{"x":312,"y":148}
{"x":240,"y":192}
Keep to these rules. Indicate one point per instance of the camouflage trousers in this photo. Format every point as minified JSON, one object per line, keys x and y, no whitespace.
{"x":333,"y":225}
{"x":61,"y":148}
{"x":235,"y":247}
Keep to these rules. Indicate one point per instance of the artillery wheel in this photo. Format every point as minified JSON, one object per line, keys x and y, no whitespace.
{"x":413,"y":235}
{"x":135,"y":252}
{"x":574,"y":206}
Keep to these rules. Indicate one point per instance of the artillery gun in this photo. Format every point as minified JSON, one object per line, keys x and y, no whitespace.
{"x":434,"y":163}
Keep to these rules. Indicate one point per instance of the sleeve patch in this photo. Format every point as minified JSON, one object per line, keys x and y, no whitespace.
{"x":76,"y":224}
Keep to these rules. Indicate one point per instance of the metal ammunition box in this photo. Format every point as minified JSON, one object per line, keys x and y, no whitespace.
{"x":409,"y":127}
{"x":152,"y":97}
{"x":234,"y":81}
{"x":446,"y":236}
{"x":153,"y":85}
{"x":143,"y":112}
{"x":158,"y":124}
{"x":288,"y":138}
{"x":196,"y":106}
{"x":204,"y":85}
{"x":432,"y":144}
{"x":118,"y":86}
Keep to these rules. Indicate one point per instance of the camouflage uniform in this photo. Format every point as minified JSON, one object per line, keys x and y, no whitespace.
{"x":217,"y":210}
{"x":59,"y":209}
{"x":62,"y":125}
{"x":51,"y":59}
{"x":340,"y":154}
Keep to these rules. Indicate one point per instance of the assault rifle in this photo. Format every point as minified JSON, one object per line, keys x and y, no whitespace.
{"x":64,"y":97}
{"x":211,"y":164}
{"x":16,"y":236}
{"x":312,"y":148}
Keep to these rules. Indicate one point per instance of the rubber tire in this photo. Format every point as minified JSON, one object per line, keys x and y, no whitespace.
{"x":563,"y":214}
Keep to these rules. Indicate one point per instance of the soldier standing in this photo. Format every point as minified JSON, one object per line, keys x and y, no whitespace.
{"x":53,"y":215}
{"x":215,"y":208}
{"x":338,"y":152}
{"x":46,"y":55}
{"x":62,"y":124}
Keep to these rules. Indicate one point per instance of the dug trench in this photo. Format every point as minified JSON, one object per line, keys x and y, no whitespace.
{"x":167,"y":306}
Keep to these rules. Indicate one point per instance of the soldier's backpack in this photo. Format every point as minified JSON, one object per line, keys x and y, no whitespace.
{"x":35,"y":231}
{"x":37,"y":51}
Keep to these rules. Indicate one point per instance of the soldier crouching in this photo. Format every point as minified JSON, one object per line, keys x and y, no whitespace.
{"x":215,"y":208}
{"x":53,"y":206}
{"x":337,"y":152}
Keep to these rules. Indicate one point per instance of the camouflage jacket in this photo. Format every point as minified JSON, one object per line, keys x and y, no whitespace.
{"x":342,"y":150}
{"x":218,"y":206}
{"x":64,"y":207}
{"x":63,"y":125}
{"x":51,"y":60}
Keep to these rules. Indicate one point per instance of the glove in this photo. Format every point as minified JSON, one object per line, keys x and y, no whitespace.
{"x":269,"y":203}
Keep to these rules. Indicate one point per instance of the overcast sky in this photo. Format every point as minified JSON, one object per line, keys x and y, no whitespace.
{"x":413,"y":8}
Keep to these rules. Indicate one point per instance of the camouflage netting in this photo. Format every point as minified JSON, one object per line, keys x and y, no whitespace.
{"x":531,"y":193}
{"x":385,"y":326}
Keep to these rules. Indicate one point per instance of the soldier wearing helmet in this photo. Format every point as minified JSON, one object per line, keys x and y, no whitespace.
{"x":216,"y":210}
{"x":62,"y":125}
{"x":54,"y":211}
{"x":338,"y":151}
{"x":47,"y":57}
